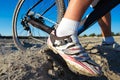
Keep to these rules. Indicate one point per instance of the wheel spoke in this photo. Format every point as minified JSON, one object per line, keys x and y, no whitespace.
{"x":25,"y":34}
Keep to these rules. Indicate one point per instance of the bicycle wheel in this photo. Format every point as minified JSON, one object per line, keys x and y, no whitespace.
{"x":24,"y":34}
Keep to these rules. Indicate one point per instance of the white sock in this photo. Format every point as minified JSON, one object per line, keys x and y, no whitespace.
{"x":108,"y":40}
{"x":67,"y":27}
{"x":75,"y":38}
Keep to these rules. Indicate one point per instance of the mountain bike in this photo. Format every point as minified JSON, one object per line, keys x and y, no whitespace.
{"x":33,"y":20}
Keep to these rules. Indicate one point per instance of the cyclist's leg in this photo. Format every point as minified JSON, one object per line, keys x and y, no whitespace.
{"x":70,"y":22}
{"x":66,"y":42}
{"x":108,"y":40}
{"x":76,"y":9}
{"x":105,"y":25}
{"x":74,"y":13}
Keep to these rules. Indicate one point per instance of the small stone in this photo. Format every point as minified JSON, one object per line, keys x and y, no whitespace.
{"x":51,"y":72}
{"x":94,"y":51}
{"x":56,"y":68}
{"x":89,"y":46}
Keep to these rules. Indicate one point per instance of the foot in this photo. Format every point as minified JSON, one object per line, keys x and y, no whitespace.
{"x":75,"y":56}
{"x":114,"y":46}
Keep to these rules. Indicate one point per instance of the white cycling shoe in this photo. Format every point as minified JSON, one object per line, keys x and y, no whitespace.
{"x":75,"y":56}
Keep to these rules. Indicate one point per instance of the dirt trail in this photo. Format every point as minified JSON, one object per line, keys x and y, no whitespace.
{"x":36,"y":64}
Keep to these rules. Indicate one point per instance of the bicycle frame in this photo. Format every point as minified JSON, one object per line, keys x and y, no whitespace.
{"x":101,"y":9}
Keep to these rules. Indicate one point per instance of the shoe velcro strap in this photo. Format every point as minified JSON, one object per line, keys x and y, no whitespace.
{"x":61,"y":40}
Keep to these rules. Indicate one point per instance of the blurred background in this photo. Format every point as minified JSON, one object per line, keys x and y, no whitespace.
{"x":6,"y":13}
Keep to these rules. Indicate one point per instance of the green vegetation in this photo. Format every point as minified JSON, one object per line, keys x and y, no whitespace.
{"x":99,"y":35}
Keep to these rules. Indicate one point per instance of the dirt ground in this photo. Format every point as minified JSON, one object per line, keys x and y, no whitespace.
{"x":40,"y":63}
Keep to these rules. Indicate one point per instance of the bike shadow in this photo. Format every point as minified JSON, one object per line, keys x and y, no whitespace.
{"x":110,"y":60}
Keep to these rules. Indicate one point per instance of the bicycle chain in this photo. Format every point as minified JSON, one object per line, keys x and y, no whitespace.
{"x":47,"y":19}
